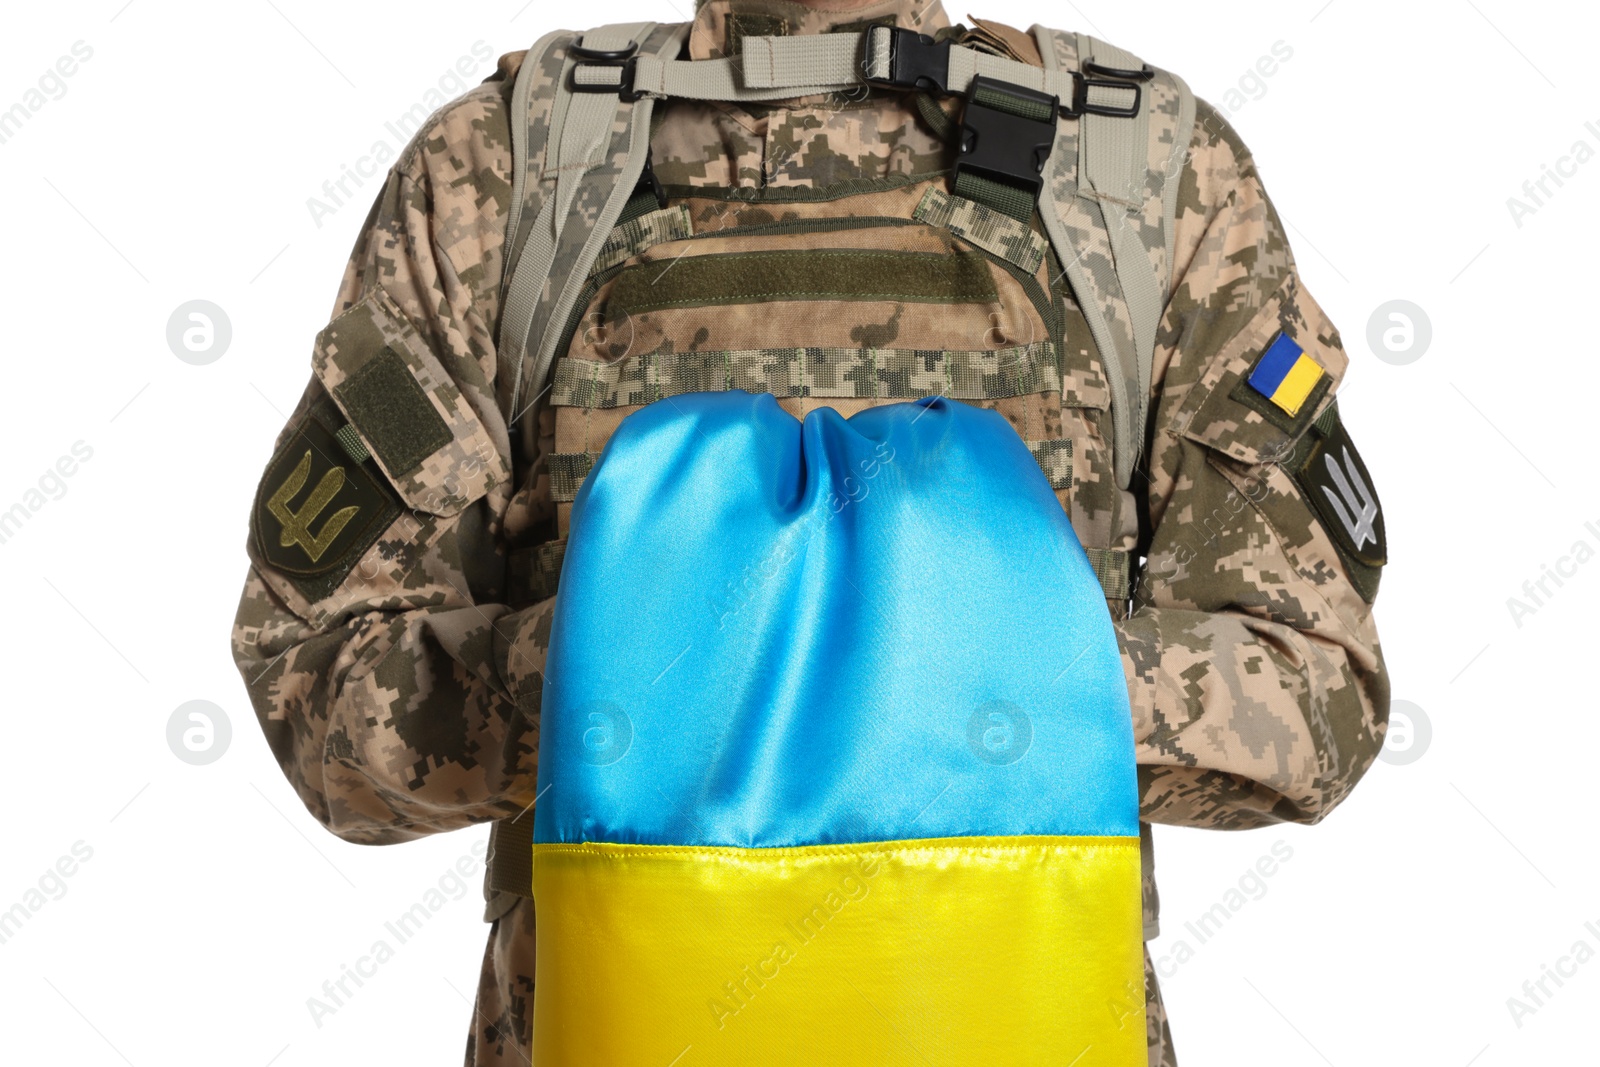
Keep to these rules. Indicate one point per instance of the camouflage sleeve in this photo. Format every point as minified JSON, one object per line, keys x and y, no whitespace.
{"x":396,"y":686}
{"x":1258,"y":684}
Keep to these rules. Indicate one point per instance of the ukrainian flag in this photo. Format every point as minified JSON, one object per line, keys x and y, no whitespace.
{"x":1285,"y":375}
{"x":837,"y":762}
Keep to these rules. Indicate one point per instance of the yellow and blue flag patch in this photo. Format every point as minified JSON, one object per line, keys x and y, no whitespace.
{"x":1285,"y":375}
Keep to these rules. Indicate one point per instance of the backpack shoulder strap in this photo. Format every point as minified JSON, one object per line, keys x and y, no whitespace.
{"x":1108,"y":206}
{"x":578,"y":153}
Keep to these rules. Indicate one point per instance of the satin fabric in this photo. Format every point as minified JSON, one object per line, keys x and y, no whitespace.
{"x":773,"y":633}
{"x":1003,"y":951}
{"x":836,"y":762}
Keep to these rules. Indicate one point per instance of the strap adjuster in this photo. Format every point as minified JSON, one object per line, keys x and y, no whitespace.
{"x":1081,"y":104}
{"x":913,"y":60}
{"x":624,"y":60}
{"x":1009,"y":145}
{"x":1143,"y":74}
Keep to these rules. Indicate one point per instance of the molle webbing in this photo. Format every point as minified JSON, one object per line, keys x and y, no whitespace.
{"x":567,"y":472}
{"x":848,"y":373}
{"x":1114,"y":569}
{"x":535,"y":572}
{"x":1054,"y":457}
{"x":634,"y":236}
{"x":993,"y":231}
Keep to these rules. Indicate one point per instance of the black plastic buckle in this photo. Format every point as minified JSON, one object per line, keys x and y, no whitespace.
{"x":1002,"y":146}
{"x":916,"y":61}
{"x":1080,"y":98}
{"x":648,"y":182}
{"x":624,"y":59}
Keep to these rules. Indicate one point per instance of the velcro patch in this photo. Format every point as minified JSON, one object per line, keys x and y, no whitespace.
{"x":720,"y":279}
{"x":393,"y":413}
{"x":318,"y":510}
{"x":751,"y":24}
{"x":1285,"y":375}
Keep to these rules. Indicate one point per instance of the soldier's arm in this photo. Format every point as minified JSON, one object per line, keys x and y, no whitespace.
{"x":395,"y":686}
{"x":1258,"y":685}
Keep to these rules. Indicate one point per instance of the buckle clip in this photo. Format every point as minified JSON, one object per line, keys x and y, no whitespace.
{"x":1002,"y":145}
{"x":648,"y":182}
{"x":915,"y":61}
{"x":623,"y":59}
{"x":1080,"y":96}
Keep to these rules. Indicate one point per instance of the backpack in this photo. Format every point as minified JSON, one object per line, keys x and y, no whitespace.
{"x":805,"y":798}
{"x":1105,"y":180}
{"x":1093,"y":141}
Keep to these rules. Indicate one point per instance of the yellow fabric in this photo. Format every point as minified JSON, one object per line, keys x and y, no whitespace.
{"x":959,"y":951}
{"x":1297,"y":384}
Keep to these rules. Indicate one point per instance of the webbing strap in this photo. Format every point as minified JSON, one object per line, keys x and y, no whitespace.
{"x":535,"y":572}
{"x":767,"y":68}
{"x":579,"y":124}
{"x":510,"y":859}
{"x":780,"y":68}
{"x":1114,"y":569}
{"x":722,"y":80}
{"x":1009,"y":200}
{"x":1012,"y":240}
{"x":772,"y":62}
{"x":1114,"y":162}
{"x":583,"y":126}
{"x":1172,"y":169}
{"x":521,"y":101}
{"x":567,"y":473}
{"x":1061,"y":185}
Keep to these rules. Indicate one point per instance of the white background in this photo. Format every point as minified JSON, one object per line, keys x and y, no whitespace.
{"x":177,"y":166}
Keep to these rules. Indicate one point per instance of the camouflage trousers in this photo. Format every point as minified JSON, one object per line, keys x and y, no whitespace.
{"x":502,"y":1025}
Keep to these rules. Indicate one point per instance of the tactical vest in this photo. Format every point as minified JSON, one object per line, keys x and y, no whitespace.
{"x":621,"y":293}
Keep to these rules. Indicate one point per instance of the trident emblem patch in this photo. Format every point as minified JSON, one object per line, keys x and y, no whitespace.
{"x":1339,"y":489}
{"x":297,"y":524}
{"x":317,"y":510}
{"x":1353,"y":501}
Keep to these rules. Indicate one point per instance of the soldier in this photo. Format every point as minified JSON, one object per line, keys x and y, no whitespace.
{"x":394,"y":623}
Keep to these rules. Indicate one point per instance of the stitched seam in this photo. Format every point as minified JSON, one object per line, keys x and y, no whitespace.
{"x":1028,"y":843}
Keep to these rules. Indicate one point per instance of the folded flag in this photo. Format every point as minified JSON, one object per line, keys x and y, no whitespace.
{"x":836,"y":762}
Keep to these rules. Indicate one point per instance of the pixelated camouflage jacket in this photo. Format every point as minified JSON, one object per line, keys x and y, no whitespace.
{"x":400,"y":693}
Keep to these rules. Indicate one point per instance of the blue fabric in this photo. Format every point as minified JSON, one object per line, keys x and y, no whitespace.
{"x":771,"y":633}
{"x":1275,"y":364}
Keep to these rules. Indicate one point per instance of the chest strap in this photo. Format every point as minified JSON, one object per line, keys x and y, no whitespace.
{"x":888,"y":57}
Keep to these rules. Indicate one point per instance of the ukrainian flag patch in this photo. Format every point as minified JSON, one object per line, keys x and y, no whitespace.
{"x":1285,"y":375}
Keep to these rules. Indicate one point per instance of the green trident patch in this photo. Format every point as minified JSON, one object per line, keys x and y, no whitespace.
{"x":297,"y":524}
{"x":347,"y":504}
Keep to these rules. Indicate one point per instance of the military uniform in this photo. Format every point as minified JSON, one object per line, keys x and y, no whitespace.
{"x":392,"y":637}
